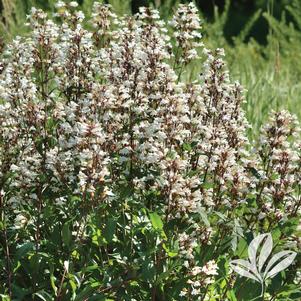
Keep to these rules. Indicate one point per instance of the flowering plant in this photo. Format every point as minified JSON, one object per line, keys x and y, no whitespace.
{"x":123,"y":178}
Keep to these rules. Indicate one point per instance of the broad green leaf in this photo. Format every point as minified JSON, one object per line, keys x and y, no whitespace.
{"x":204,"y":216}
{"x":86,"y":293}
{"x":73,"y":285}
{"x":156,"y":221}
{"x":148,"y":270}
{"x":24,"y":249}
{"x":109,"y":230}
{"x":66,"y":234}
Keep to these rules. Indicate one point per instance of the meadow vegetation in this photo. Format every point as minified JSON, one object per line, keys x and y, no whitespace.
{"x":135,"y":165}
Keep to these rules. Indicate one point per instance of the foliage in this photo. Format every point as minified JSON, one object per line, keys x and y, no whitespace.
{"x":126,"y":168}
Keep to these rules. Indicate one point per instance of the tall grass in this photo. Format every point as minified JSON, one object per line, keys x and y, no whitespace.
{"x":270,"y":73}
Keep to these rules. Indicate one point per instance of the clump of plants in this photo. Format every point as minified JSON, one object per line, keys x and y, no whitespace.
{"x":124,"y":179}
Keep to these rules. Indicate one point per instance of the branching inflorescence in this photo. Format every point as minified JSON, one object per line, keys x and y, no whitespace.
{"x":98,"y":124}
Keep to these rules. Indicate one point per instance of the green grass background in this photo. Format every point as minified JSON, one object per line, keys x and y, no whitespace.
{"x":263,"y":47}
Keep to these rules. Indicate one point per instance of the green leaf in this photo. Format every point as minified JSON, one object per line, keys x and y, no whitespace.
{"x":99,"y":297}
{"x":242,"y":248}
{"x":204,"y":216}
{"x":73,"y":285}
{"x":35,"y":262}
{"x":170,"y":254}
{"x":255,"y":173}
{"x":156,"y":221}
{"x":168,"y":272}
{"x":24,"y":249}
{"x":43,"y":296}
{"x":86,"y":293}
{"x":187,"y":147}
{"x":148,"y":270}
{"x":20,"y":293}
{"x":66,"y":234}
{"x":52,"y":282}
{"x":246,"y":290}
{"x":109,"y":230}
{"x":274,"y":177}
{"x":231,"y":295}
{"x":289,"y":227}
{"x":208,"y":185}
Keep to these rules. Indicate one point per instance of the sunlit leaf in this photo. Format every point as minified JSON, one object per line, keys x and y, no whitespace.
{"x":156,"y":221}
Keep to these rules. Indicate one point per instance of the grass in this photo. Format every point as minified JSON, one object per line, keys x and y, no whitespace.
{"x":270,"y":73}
{"x":117,"y":232}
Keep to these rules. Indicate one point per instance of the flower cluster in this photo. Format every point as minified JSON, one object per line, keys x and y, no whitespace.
{"x":99,"y":121}
{"x":280,"y":164}
{"x":201,"y":277}
{"x":187,"y":27}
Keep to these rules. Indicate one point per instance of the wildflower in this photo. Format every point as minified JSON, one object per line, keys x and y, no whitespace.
{"x":60,"y":4}
{"x":102,"y":116}
{"x":210,"y":268}
{"x":183,"y":293}
{"x":21,"y":221}
{"x":73,"y":4}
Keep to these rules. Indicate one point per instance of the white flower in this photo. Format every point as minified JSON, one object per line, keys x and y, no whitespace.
{"x":210,"y":268}
{"x":20,"y":221}
{"x":183,"y":292}
{"x":73,"y":4}
{"x":60,"y":4}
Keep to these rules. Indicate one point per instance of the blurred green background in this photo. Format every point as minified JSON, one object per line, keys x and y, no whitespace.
{"x":240,"y":11}
{"x":262,"y":40}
